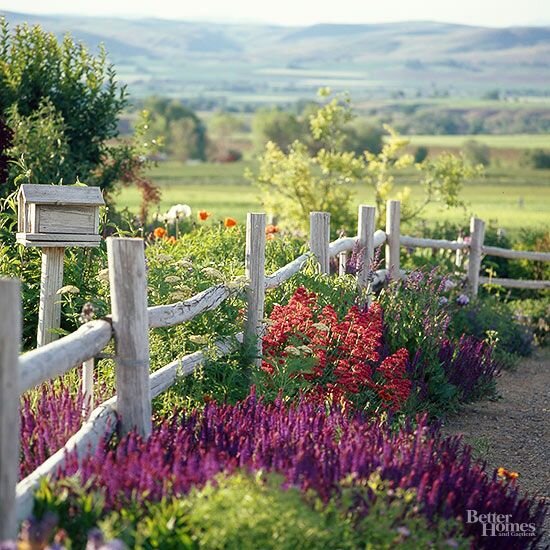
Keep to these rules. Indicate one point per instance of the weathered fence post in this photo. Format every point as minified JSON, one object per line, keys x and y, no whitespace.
{"x":10,"y":338}
{"x":393,"y":247}
{"x":128,"y":285}
{"x":365,"y":238}
{"x":51,"y":280}
{"x":477,"y":235}
{"x":342,"y":263}
{"x":459,"y":256}
{"x":88,"y":386}
{"x":319,"y":239}
{"x":255,"y":291}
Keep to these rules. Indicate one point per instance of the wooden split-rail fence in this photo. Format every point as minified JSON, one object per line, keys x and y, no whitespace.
{"x":131,"y":319}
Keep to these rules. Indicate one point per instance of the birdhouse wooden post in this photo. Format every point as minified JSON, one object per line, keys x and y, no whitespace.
{"x":53,"y":217}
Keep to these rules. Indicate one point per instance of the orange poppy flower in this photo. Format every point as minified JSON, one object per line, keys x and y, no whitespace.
{"x":230,"y":222}
{"x":159,"y":232}
{"x":507,"y":474}
{"x":270,"y":229}
{"x":203,"y":215}
{"x":269,"y":236}
{"x":171,"y":240}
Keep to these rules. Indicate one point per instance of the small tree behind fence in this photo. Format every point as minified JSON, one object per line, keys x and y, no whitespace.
{"x":131,"y":320}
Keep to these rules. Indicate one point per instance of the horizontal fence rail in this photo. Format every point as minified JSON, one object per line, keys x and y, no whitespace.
{"x":131,"y":316}
{"x":60,"y":356}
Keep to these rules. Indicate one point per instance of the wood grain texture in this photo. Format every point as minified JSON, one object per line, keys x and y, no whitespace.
{"x":128,"y":285}
{"x":343,"y":244}
{"x":255,"y":290}
{"x":416,"y":242}
{"x":366,"y":221}
{"x":88,"y":387}
{"x":459,"y":255}
{"x":516,"y":254}
{"x":342,"y":263}
{"x":60,"y":194}
{"x":515,"y":283}
{"x":319,"y":238}
{"x":10,"y":337}
{"x":477,"y":235}
{"x":57,"y":358}
{"x":393,"y":221}
{"x":180,"y":312}
{"x":51,"y":280}
{"x":67,"y":219}
{"x":287,"y":271}
{"x":52,"y":243}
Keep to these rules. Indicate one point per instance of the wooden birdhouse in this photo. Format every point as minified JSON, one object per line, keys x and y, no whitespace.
{"x":58,"y":215}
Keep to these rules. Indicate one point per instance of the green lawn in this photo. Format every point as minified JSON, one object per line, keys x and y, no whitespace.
{"x":504,"y":141}
{"x":511,"y":198}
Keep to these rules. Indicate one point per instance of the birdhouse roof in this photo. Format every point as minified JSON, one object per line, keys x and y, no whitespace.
{"x":61,"y":194}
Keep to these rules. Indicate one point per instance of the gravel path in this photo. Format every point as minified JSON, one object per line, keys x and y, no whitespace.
{"x":513,"y":430}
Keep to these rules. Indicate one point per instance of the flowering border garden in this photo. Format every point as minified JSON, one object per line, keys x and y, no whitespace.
{"x":342,"y":384}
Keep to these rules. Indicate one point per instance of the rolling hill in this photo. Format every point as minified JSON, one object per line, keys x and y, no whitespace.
{"x":265,"y":63}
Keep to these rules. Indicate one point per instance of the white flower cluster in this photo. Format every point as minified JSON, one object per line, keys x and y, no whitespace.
{"x":177,"y":212}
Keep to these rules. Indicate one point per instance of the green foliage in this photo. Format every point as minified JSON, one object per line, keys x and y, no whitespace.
{"x":224,"y":379}
{"x":393,"y":520}
{"x":254,"y":511}
{"x":38,"y":139}
{"x":45,"y":84}
{"x":78,"y":507}
{"x":296,"y":182}
{"x":491,"y":315}
{"x":421,"y":154}
{"x":442,"y":181}
{"x":537,"y":158}
{"x":476,"y":152}
{"x":279,"y":127}
{"x":184,"y":132}
{"x":536,"y":315}
{"x":362,"y":136}
{"x":416,"y":321}
{"x":318,"y":173}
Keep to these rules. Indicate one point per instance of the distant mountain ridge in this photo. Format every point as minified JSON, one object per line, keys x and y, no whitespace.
{"x":200,"y":57}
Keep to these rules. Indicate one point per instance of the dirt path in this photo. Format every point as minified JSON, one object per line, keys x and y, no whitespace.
{"x":513,"y":431}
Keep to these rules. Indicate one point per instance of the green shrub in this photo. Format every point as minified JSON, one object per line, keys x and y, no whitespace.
{"x":249,"y":512}
{"x":416,"y":321}
{"x":535,"y":314}
{"x":537,"y":158}
{"x":476,"y":152}
{"x":488,"y":314}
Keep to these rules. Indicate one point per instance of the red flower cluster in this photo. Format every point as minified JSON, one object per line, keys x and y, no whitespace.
{"x":345,"y":353}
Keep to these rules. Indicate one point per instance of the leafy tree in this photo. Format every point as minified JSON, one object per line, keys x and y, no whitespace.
{"x":476,"y":152}
{"x":362,"y":136}
{"x":537,"y":158}
{"x":279,"y":127}
{"x":421,"y":153}
{"x":60,"y":106}
{"x":184,"y":132}
{"x":306,"y":178}
{"x":297,"y":182}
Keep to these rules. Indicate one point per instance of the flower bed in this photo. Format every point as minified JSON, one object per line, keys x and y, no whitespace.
{"x":313,"y":450}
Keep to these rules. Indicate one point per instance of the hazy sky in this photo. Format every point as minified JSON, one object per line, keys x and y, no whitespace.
{"x":494,"y":13}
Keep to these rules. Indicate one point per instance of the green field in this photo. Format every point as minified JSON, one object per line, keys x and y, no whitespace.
{"x":511,"y":199}
{"x":495,"y":141}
